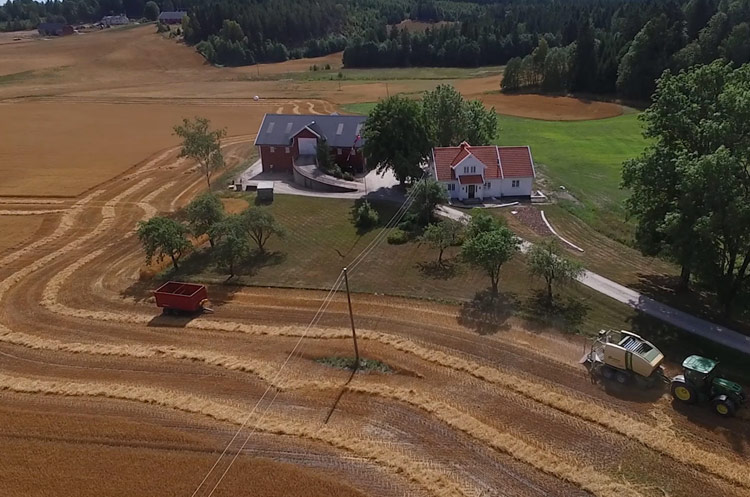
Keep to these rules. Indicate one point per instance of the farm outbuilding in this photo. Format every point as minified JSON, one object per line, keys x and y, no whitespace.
{"x":55,"y":29}
{"x":285,"y":138}
{"x":265,"y":191}
{"x":172,"y":17}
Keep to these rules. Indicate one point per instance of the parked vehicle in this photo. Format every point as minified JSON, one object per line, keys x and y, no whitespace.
{"x":699,"y":382}
{"x":176,"y":297}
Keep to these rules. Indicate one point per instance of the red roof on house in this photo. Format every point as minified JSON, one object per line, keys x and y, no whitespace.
{"x":471,"y":179}
{"x":500,"y":162}
{"x":516,"y":162}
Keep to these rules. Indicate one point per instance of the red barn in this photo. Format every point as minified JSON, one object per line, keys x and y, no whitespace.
{"x":284,"y":138}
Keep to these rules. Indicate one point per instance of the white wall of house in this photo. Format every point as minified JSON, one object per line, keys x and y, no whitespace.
{"x":523,"y":188}
{"x":470,"y":165}
{"x":497,"y":188}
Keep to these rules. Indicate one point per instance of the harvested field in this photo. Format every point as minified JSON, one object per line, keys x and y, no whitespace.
{"x":18,"y":230}
{"x":68,"y":161}
{"x":102,"y":394}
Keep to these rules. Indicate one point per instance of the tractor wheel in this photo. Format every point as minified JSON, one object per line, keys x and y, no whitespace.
{"x":683,"y":392}
{"x":723,"y":406}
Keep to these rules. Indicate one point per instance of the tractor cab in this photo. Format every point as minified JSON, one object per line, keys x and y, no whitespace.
{"x":700,"y":383}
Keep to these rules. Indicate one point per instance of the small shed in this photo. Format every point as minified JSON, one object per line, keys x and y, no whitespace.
{"x":265,"y":191}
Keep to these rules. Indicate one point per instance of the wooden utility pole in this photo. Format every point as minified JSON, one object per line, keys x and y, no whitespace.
{"x":351,"y":319}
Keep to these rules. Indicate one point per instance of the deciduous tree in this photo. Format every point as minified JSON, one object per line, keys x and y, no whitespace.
{"x":489,"y":250}
{"x":428,"y":194}
{"x":397,"y":138}
{"x":233,"y":243}
{"x":547,"y":262}
{"x":203,"y":212}
{"x":261,"y":226}
{"x":690,"y":190}
{"x":201,"y":144}
{"x":442,"y":235}
{"x":161,"y":237}
{"x":151,"y":11}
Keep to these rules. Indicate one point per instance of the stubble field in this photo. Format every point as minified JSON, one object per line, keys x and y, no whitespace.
{"x":100,"y":394}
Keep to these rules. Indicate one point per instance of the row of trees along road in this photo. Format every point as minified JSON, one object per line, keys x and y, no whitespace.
{"x":691,"y":187}
{"x":231,"y":236}
{"x":401,"y":132}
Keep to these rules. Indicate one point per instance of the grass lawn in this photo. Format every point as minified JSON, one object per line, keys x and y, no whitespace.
{"x":586,"y":158}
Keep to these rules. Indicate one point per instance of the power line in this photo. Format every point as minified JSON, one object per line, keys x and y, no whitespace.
{"x":395,"y":219}
{"x":316,"y":317}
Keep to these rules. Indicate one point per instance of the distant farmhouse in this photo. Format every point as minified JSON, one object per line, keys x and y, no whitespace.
{"x":478,"y":173}
{"x":171,"y":17}
{"x":117,"y":20}
{"x":286,"y":140}
{"x":55,"y":29}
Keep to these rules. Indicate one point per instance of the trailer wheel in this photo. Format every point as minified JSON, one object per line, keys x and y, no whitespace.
{"x":723,"y":406}
{"x":621,"y":378}
{"x":607,"y":373}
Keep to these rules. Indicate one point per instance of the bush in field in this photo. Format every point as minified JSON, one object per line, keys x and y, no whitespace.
{"x":398,"y":237}
{"x":366,"y":217}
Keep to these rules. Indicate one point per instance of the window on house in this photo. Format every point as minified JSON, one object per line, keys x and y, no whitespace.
{"x":473,"y":169}
{"x":270,"y":127}
{"x":273,"y":149}
{"x":288,"y":128}
{"x":338,"y":151}
{"x":488,"y":185}
{"x":515,"y":183}
{"x":340,"y":128}
{"x":286,"y":150}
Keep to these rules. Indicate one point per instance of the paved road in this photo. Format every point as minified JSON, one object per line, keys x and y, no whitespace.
{"x":697,"y":326}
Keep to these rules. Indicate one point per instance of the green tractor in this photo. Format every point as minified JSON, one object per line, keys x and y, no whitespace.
{"x":699,"y":383}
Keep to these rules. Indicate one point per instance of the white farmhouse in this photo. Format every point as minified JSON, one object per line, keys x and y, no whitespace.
{"x":478,"y":173}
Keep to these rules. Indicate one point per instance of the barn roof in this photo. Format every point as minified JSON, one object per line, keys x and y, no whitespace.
{"x":172,"y":16}
{"x":500,"y":162}
{"x":338,"y":131}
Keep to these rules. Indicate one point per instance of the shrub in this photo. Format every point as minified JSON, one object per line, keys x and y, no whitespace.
{"x":347,"y":176}
{"x":366,"y":217}
{"x":398,"y":237}
{"x":328,"y":67}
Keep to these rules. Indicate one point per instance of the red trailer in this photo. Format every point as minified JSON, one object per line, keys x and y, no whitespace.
{"x":175,"y":297}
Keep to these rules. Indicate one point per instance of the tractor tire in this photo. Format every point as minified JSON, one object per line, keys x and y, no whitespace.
{"x":607,"y":373}
{"x":683,"y":392}
{"x":723,"y":406}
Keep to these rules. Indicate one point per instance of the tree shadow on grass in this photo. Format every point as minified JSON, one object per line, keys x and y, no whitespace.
{"x":567,"y":315}
{"x":697,"y":301}
{"x":487,"y":313}
{"x":436,"y":271}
